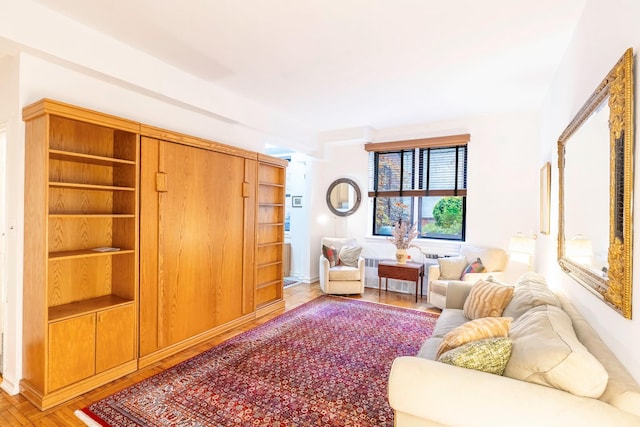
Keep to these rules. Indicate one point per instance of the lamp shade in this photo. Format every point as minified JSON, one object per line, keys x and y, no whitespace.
{"x":522,"y":244}
{"x":579,"y":249}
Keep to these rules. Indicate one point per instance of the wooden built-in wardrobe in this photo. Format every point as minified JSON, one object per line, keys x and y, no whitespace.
{"x":196,"y":236}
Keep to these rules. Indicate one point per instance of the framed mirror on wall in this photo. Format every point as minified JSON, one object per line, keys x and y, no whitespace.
{"x":343,"y":197}
{"x":595,"y":161}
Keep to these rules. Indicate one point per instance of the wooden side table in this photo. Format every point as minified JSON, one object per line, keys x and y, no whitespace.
{"x":411,"y":271}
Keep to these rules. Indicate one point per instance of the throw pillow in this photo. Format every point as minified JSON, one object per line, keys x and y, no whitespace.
{"x":349,"y":256}
{"x":474,"y":266}
{"x":487,"y":299}
{"x":486,"y":327}
{"x":451,"y":268}
{"x":329,"y":252}
{"x":488,"y":355}
{"x":546,"y":351}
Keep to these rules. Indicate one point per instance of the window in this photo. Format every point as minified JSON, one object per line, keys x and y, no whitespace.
{"x":423,"y":181}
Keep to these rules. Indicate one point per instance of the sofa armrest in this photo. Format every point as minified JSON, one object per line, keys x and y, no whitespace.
{"x":457,"y":293}
{"x":453,"y":396}
{"x":323,"y":270}
{"x":433,"y":272}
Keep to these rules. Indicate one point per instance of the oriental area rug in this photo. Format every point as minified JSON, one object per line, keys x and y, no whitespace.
{"x":324,"y":363}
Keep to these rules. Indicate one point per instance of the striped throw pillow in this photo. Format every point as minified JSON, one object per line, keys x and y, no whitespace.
{"x":486,"y":327}
{"x":487,"y":299}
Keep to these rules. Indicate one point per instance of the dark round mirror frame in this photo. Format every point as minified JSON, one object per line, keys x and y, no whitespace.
{"x":355,"y":206}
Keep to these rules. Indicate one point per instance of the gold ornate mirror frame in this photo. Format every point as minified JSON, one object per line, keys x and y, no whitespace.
{"x":612,"y":285}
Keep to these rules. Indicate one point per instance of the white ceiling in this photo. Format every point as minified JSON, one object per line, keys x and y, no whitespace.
{"x":334,"y":64}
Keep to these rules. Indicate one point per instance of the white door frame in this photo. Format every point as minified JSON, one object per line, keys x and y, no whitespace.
{"x":3,"y":241}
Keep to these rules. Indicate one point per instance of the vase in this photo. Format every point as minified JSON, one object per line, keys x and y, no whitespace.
{"x":401,"y":256}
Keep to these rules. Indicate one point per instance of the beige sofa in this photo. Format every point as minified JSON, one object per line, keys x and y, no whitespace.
{"x":451,"y":268}
{"x":425,"y":392}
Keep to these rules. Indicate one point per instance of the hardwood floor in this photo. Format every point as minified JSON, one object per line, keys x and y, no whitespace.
{"x":17,"y":411}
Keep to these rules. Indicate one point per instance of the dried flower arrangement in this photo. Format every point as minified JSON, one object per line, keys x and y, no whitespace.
{"x":403,"y":233}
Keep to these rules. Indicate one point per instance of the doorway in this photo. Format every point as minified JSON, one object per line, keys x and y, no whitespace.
{"x":3,"y":239}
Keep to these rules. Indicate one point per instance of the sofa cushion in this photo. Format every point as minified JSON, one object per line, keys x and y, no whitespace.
{"x":531,"y":291}
{"x":331,"y":254}
{"x":486,"y":355}
{"x":449,"y":319}
{"x":546,"y":351}
{"x":487,"y":299}
{"x":451,"y":268}
{"x":343,"y":272}
{"x":349,"y":255}
{"x":473,"y":330}
{"x":429,"y":348}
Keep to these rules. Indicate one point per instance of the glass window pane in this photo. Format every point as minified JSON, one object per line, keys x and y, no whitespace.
{"x":439,"y":167}
{"x":442,"y":217}
{"x":407,"y":173}
{"x":390,"y":171}
{"x":388,"y":210}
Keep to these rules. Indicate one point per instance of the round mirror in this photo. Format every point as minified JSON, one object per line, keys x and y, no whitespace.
{"x":343,"y":197}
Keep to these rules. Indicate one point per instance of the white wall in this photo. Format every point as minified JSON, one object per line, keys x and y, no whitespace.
{"x":14,"y":213}
{"x":607,"y":28}
{"x":503,"y":181}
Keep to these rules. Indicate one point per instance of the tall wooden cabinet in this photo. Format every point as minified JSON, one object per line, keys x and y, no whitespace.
{"x":270,"y":236}
{"x":81,"y":251}
{"x":139,"y":242}
{"x":197,"y":241}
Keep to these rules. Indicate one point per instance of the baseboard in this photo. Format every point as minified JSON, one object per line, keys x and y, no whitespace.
{"x":10,"y":386}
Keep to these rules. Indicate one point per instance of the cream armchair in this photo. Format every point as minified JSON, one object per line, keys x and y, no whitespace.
{"x":494,"y":261}
{"x":341,"y":278}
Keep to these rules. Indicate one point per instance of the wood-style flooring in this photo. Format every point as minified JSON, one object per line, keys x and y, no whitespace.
{"x":17,"y":411}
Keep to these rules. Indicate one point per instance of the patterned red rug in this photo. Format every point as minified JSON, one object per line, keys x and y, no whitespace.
{"x":325,"y":363}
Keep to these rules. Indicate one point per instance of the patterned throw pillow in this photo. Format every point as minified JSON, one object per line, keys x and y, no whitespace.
{"x":349,"y":256}
{"x":473,"y":330}
{"x":330,"y":253}
{"x":487,"y":299}
{"x":489,"y":355}
{"x":474,"y":266}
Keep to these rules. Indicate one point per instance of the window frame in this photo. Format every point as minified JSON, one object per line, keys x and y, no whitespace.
{"x":421,"y":162}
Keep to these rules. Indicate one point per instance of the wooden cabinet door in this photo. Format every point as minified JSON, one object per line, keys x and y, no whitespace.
{"x":192,"y":242}
{"x":115,"y":337}
{"x":72,"y":351}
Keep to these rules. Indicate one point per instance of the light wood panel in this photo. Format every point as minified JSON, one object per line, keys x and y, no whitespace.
{"x":115,"y":337}
{"x":270,"y":234}
{"x":81,"y":193}
{"x":72,"y":351}
{"x":194,"y":241}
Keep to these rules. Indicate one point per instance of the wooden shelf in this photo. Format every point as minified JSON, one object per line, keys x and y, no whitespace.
{"x":89,"y":186}
{"x":267,"y":284}
{"x":85,"y":253}
{"x":269,"y":264}
{"x":264,"y":245}
{"x":90,"y":216}
{"x":271,"y":184}
{"x":272,"y":224}
{"x":78,"y":308}
{"x":276,"y":205}
{"x":69,"y":156}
